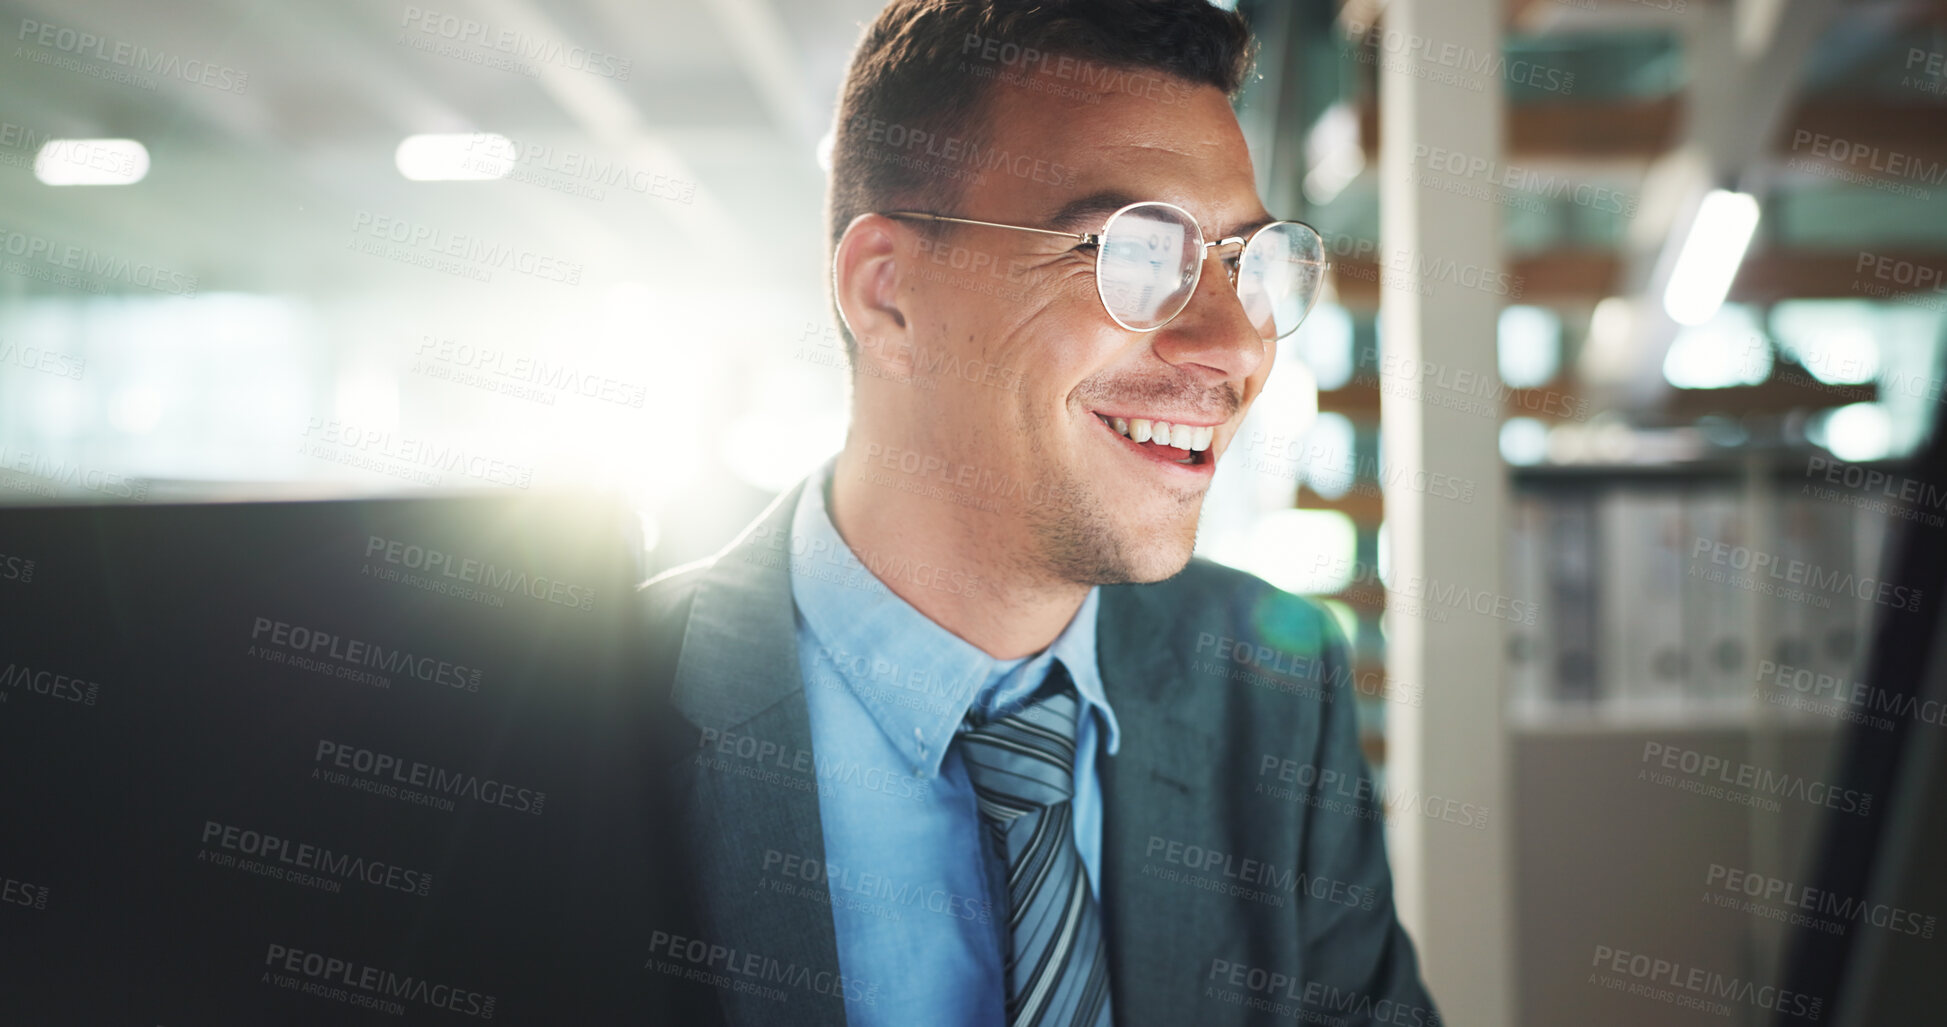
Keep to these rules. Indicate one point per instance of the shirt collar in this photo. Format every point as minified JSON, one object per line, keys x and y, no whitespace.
{"x":916,"y":679}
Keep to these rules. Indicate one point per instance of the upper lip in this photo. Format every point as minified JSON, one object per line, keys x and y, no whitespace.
{"x":1189,"y":419}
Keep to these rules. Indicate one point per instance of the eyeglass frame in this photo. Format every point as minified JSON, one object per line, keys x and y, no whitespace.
{"x":1094,"y":239}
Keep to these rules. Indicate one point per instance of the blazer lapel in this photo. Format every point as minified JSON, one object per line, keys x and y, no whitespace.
{"x":1151,"y":790}
{"x":750,"y":782}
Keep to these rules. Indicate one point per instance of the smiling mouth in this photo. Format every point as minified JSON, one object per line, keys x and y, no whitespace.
{"x":1181,"y":444}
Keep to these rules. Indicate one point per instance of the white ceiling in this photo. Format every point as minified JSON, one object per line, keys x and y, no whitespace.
{"x":257,"y":190}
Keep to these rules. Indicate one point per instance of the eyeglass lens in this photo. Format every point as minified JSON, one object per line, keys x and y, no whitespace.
{"x":1147,"y":269}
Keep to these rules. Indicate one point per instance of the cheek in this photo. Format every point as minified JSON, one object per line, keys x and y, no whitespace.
{"x":1021,"y":355}
{"x":1042,"y":360}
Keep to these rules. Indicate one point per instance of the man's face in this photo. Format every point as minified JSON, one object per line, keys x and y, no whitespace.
{"x":1090,"y":505}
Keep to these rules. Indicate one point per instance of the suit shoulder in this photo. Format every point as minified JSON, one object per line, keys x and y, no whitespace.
{"x":667,"y":596}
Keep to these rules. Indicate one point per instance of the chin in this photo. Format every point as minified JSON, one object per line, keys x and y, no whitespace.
{"x":1155,"y":559}
{"x":1156,"y":570}
{"x":1143,"y":554}
{"x":1088,"y":544}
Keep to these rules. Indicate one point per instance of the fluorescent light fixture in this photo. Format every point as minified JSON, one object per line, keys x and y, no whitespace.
{"x":1710,"y":256}
{"x":1524,"y":441}
{"x":1836,"y":341}
{"x":1728,"y":350}
{"x":1528,"y":346}
{"x":136,"y":409}
{"x":91,"y":162}
{"x":1855,"y":432}
{"x":465,"y":157}
{"x":1605,"y":353}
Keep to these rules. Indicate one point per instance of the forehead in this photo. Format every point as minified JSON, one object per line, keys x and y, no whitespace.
{"x":1165,"y":140}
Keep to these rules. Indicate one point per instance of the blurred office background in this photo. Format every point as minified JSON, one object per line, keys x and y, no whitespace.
{"x":290,"y":249}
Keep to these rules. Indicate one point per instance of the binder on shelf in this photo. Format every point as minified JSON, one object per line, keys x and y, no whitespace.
{"x":1839,"y":576}
{"x":1571,"y":597}
{"x":1717,"y":617}
{"x":1531,"y":649}
{"x":1640,"y":599}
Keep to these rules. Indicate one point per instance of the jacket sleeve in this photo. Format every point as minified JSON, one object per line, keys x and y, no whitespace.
{"x":1360,"y":963}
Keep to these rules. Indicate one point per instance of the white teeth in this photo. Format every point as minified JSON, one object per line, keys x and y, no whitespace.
{"x":1163,"y":433}
{"x":1184,"y":436}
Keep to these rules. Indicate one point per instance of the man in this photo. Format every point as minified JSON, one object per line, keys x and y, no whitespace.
{"x":970,"y":744}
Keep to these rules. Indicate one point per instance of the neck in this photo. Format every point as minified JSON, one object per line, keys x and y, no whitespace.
{"x":974,"y":579}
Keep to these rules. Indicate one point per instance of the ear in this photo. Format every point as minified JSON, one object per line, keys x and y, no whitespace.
{"x":866,"y":273}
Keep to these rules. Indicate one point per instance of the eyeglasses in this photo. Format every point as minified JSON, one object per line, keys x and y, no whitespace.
{"x":1149,"y":258}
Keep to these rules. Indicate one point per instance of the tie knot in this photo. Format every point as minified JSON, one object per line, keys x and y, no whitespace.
{"x":1025,"y":760}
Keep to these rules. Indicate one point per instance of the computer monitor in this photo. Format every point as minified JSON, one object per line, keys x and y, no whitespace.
{"x":330,"y":762}
{"x":1885,"y":871}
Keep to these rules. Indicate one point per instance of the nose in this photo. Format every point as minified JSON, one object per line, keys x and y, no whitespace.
{"x":1213,"y":331}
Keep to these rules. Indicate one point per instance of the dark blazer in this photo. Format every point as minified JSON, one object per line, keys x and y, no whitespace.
{"x":1243,"y":870}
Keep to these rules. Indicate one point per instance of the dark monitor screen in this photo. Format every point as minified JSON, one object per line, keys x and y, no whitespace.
{"x":1887,"y":869}
{"x":327,"y":762}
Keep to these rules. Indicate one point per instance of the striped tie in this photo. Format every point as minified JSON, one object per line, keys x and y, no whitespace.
{"x":1022,"y":767}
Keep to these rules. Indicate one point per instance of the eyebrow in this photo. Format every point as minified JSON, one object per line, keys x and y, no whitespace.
{"x":1087,"y":213}
{"x":1247,"y":227}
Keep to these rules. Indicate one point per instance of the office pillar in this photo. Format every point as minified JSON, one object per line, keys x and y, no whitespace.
{"x":1441,"y":89}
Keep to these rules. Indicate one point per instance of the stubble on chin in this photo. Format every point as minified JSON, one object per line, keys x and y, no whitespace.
{"x":1079,"y":540}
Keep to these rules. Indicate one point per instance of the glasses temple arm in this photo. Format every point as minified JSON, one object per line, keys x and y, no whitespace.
{"x":1086,"y":237}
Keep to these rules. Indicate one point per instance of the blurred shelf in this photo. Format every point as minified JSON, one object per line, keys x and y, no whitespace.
{"x":1778,"y":395}
{"x":1733,"y":714}
{"x":1360,"y":399}
{"x":1770,"y":275}
{"x":1362,"y":503}
{"x":1357,"y":399}
{"x":1779,"y":463}
{"x":1568,"y":277}
{"x":1625,"y":129}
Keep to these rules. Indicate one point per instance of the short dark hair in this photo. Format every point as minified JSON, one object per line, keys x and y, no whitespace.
{"x":913,"y":80}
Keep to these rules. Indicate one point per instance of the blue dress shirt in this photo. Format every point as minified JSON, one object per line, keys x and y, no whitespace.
{"x":919,"y":915}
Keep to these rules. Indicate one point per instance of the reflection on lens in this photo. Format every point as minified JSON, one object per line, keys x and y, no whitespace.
{"x":1280,"y":276}
{"x":1148,"y":264}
